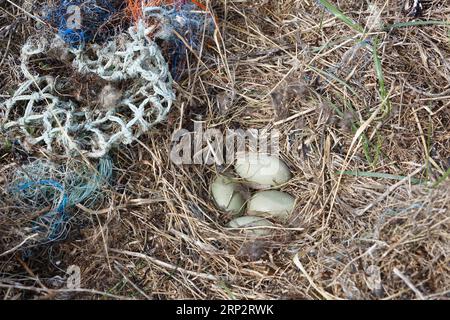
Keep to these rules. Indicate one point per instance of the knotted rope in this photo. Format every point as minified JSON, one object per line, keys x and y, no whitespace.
{"x":41,"y":117}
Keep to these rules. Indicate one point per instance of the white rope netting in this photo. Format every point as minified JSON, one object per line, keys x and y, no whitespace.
{"x":37,"y":114}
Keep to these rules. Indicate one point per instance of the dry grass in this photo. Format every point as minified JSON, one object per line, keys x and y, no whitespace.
{"x":292,"y":66}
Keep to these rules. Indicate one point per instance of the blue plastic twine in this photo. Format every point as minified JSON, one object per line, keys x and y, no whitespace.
{"x":93,"y":14}
{"x":53,"y":223}
{"x":76,"y":188}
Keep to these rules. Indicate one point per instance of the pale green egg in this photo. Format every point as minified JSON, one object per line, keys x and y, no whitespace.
{"x":272,"y":204}
{"x":254,"y":226}
{"x":262,"y":170}
{"x":226,"y":195}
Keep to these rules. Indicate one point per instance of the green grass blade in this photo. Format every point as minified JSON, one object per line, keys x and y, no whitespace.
{"x":386,"y":104}
{"x":338,"y":14}
{"x":442,"y":179}
{"x":380,"y":176}
{"x":416,"y":23}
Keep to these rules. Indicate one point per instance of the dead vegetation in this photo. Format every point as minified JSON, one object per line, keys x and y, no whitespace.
{"x":365,"y":123}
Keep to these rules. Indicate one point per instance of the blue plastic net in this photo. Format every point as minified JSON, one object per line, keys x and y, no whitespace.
{"x":41,"y":184}
{"x":179,"y":24}
{"x":79,"y":21}
{"x":51,"y":224}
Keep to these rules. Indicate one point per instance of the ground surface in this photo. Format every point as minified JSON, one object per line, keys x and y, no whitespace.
{"x":364,"y":112}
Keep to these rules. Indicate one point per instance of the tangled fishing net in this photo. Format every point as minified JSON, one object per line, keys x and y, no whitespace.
{"x":37,"y":114}
{"x":49,"y":191}
{"x":41,"y":117}
{"x":179,"y":24}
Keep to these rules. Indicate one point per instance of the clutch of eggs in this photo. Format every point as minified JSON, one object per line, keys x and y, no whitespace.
{"x":259,"y":171}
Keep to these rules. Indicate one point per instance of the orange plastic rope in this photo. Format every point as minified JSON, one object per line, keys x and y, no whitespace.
{"x":134,"y":8}
{"x":200,"y":5}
